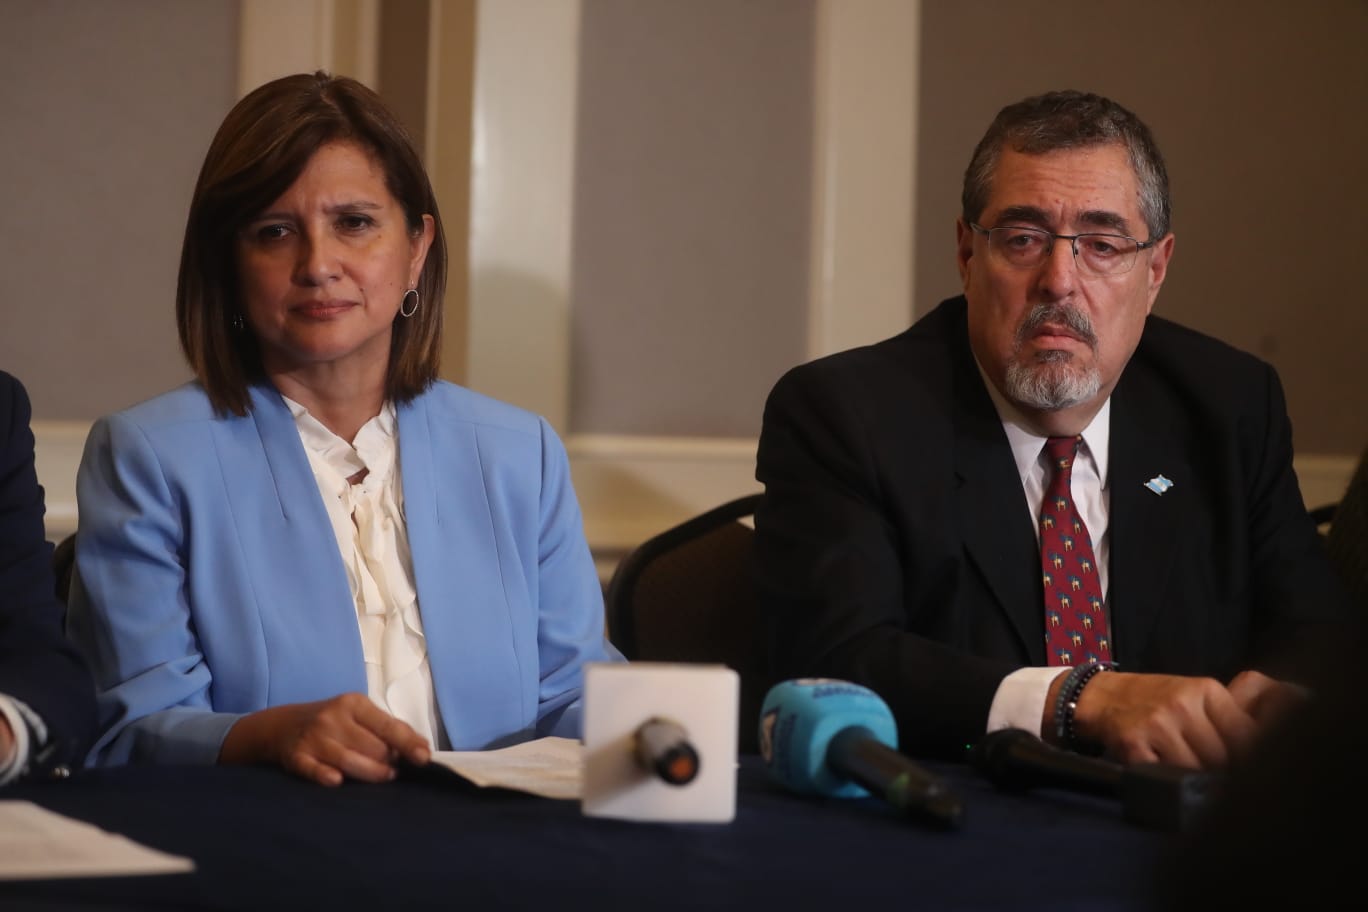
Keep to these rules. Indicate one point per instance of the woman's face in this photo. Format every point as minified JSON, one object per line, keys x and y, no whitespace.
{"x":324,"y":268}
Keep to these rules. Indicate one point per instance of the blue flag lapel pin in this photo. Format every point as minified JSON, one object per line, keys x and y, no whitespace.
{"x":1159,"y":484}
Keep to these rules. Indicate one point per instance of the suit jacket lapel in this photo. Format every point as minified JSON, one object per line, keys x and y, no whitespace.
{"x":1144,"y":524}
{"x":998,"y":534}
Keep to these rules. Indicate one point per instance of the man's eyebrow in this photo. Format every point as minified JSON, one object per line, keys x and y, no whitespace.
{"x":1105,"y":218}
{"x":1031,"y":215}
{"x":1094,"y":219}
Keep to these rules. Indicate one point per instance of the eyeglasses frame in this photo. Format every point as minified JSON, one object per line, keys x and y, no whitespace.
{"x":1073,"y":243}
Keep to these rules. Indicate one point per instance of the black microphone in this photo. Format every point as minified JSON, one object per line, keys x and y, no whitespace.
{"x":1154,"y":795}
{"x":828,"y":737}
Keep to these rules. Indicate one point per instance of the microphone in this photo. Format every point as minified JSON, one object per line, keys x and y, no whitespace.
{"x":829,"y":737}
{"x":663,"y":748}
{"x":1153,"y":795}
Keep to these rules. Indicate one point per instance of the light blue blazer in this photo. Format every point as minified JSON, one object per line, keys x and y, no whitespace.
{"x":209,"y":583}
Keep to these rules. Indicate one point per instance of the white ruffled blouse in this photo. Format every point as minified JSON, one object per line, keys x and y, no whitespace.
{"x":368,"y":519}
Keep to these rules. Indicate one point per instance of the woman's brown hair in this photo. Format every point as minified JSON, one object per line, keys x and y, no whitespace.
{"x":260,"y":149}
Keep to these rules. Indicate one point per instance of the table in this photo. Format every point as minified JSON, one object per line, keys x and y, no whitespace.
{"x":262,"y":839}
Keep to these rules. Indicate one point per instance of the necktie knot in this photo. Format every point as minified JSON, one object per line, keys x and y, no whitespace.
{"x":1061,"y":452}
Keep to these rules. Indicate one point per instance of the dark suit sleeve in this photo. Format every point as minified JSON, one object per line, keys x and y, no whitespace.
{"x":1348,"y":537}
{"x":1300,"y":602}
{"x":848,"y":589}
{"x":37,"y":664}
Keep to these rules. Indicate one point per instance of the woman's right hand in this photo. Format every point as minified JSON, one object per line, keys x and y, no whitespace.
{"x":347,"y":736}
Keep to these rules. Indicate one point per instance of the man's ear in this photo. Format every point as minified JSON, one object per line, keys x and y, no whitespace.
{"x":964,"y":250}
{"x":1158,"y":266}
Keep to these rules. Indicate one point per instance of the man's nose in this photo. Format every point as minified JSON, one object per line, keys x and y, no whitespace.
{"x":1059,"y":272}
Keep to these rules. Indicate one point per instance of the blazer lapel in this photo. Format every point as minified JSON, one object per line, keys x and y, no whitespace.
{"x":998,"y":534}
{"x":1144,"y":523}
{"x":456,"y":563}
{"x":303,"y":598}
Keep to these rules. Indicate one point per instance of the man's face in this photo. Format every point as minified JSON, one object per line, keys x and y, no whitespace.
{"x":1053,"y":336}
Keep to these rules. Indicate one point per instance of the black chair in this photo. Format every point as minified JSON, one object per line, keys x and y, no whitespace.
{"x":63,"y":563}
{"x":686,"y":595}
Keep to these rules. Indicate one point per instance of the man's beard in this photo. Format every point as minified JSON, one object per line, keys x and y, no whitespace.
{"x":1051,"y":381}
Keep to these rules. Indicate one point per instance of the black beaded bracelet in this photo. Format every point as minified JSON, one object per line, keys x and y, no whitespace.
{"x":1067,"y":701}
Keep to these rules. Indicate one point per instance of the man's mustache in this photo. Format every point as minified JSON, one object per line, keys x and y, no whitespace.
{"x":1061,"y":315}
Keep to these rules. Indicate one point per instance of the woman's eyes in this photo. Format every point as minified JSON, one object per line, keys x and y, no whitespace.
{"x":350,"y":223}
{"x":354,"y":222}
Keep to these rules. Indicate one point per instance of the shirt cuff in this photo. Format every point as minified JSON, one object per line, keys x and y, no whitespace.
{"x":1020,"y":699}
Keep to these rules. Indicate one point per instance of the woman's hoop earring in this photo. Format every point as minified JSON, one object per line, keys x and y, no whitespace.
{"x":404,"y":309}
{"x":236,"y":322}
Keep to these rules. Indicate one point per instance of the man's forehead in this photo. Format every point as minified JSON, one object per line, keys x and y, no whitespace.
{"x":1089,"y":187}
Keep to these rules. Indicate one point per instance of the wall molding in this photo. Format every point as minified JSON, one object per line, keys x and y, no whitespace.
{"x":629,"y":487}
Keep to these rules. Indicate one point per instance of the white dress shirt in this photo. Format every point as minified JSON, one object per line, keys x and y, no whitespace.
{"x":1020,"y":698}
{"x":368,"y":520}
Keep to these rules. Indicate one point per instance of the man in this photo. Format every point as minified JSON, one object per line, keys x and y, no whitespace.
{"x":47,"y":696}
{"x":917,"y":536}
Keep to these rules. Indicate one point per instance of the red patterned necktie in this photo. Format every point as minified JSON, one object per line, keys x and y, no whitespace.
{"x":1075,"y":625}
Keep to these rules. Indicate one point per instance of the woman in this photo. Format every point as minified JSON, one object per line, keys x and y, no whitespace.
{"x":317,"y":554}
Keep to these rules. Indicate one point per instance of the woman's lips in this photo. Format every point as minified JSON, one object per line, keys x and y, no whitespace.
{"x":321,"y":310}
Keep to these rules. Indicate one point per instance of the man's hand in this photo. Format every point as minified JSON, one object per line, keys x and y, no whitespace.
{"x":7,"y":743}
{"x":327,"y":741}
{"x":1266,"y":699}
{"x":1183,"y":721}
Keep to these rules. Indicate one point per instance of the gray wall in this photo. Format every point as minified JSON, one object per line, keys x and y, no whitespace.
{"x":693,"y":170}
{"x":692,"y":218}
{"x":108,"y":108}
{"x":1261,"y":110}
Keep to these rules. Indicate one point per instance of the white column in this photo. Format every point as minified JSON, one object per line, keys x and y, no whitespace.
{"x":522,"y":202}
{"x":864,"y":162}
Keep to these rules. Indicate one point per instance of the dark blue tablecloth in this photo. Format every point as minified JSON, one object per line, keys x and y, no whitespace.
{"x":264,"y":840}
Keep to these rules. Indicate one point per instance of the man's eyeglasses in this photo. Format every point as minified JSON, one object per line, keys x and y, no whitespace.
{"x":1098,"y":254}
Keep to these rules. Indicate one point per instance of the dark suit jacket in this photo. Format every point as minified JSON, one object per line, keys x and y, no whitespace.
{"x":37,"y":664}
{"x":895,"y":547}
{"x":1347,"y":540}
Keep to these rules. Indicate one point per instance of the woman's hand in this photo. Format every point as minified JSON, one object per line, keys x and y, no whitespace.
{"x":347,"y":736}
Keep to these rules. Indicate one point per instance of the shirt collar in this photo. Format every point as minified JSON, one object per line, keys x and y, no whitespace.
{"x":374,"y":441}
{"x":1027,"y":445}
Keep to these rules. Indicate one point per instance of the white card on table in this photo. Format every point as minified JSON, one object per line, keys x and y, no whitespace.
{"x":619,"y":697}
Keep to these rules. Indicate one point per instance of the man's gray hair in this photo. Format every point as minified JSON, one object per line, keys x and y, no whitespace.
{"x":1070,"y":120}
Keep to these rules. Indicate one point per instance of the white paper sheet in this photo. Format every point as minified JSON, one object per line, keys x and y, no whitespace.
{"x":36,"y":843}
{"x":549,"y":767}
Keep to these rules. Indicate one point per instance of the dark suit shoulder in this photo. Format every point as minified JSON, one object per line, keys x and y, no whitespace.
{"x":918,"y":361}
{"x":1188,"y":353}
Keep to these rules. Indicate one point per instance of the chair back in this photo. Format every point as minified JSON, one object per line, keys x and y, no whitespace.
{"x":687,"y":595}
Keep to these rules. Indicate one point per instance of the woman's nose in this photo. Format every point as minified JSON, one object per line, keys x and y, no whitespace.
{"x":318,"y":260}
